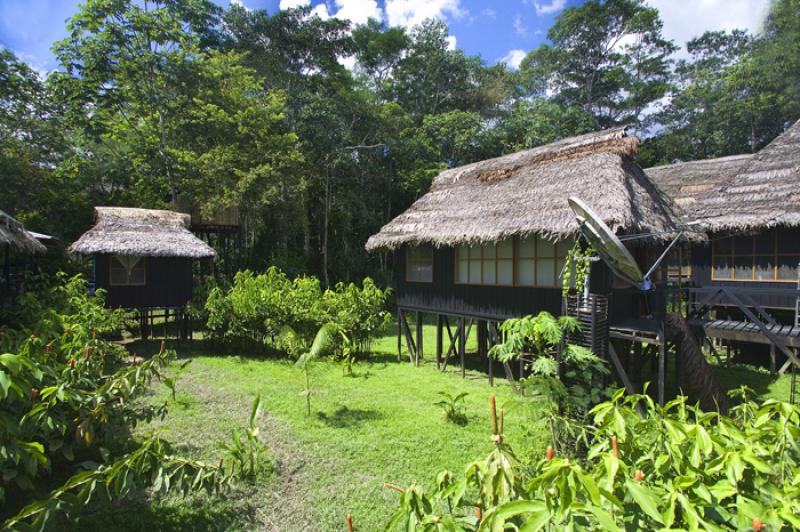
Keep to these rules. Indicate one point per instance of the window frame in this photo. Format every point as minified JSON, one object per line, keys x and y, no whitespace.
{"x":515,"y":258}
{"x":111,"y":268}
{"x":753,"y":255}
{"x":409,"y":248}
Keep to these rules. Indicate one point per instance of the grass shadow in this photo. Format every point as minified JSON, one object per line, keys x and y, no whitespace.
{"x":344,"y":417}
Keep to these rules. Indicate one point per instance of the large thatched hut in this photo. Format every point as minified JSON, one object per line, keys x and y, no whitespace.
{"x":489,"y":240}
{"x":750,"y":207}
{"x":142,"y":258}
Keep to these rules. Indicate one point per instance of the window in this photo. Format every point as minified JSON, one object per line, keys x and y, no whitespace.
{"x":760,"y":257}
{"x":512,"y":262}
{"x":679,"y":266}
{"x":419,"y":264}
{"x":488,"y":264}
{"x":127,"y":270}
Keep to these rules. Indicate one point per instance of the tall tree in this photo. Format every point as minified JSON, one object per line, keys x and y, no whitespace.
{"x":607,"y":57}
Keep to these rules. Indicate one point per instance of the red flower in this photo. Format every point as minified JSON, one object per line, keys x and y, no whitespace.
{"x":549,"y":453}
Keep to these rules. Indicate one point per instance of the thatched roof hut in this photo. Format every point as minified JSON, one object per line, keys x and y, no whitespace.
{"x":15,"y":237}
{"x":690,"y":183}
{"x":764,"y":193}
{"x":526,"y":193}
{"x":141,"y":232}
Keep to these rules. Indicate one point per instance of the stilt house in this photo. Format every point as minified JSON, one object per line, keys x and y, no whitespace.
{"x":18,"y":245}
{"x":749,"y":205}
{"x":489,"y":240}
{"x":141,"y":257}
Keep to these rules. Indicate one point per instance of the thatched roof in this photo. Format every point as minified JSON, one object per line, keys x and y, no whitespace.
{"x":143,"y":233}
{"x":690,"y":183}
{"x":526,"y":192}
{"x":13,"y":235}
{"x":765,"y":193}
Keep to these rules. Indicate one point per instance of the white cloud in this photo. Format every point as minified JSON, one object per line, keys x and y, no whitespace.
{"x":348,"y":62}
{"x":489,"y":12}
{"x":519,"y":27}
{"x":321,"y":10}
{"x":358,"y":11}
{"x":514,"y":58}
{"x":451,"y":42}
{"x":553,"y":7}
{"x":289,"y":4}
{"x":408,"y":13}
{"x":685,"y":20}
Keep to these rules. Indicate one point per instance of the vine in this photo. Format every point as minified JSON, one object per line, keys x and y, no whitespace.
{"x":579,"y":259}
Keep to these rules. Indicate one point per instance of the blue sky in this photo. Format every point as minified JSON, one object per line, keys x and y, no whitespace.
{"x":497,"y":30}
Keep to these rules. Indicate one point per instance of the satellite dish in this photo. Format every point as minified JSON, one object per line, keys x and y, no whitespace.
{"x":608,"y":246}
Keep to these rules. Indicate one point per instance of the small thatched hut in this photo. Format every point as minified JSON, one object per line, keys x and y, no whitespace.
{"x":750,"y":207}
{"x":489,"y":240}
{"x":142,"y":257}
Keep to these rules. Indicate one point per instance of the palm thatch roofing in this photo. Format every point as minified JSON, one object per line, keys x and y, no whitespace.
{"x":689,"y":184}
{"x":14,"y":235}
{"x":142,"y":233}
{"x":765,"y":193}
{"x":526,"y":193}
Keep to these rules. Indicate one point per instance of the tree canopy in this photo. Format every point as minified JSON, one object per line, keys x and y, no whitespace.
{"x":320,"y":131}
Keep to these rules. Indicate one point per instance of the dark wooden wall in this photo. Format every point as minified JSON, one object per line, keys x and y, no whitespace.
{"x":701,"y":274}
{"x":444,"y":296}
{"x":168,"y":284}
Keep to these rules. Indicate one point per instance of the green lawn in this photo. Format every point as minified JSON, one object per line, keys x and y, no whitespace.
{"x":378,"y":426}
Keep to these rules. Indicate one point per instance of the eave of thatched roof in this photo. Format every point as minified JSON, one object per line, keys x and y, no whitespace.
{"x":14,"y":235}
{"x":526,"y":193}
{"x":690,"y":183}
{"x":141,"y":232}
{"x":765,"y":193}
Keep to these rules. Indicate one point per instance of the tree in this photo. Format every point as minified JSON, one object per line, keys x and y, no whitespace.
{"x":609,"y":58}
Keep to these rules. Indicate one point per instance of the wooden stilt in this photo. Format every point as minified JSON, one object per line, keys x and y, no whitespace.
{"x":399,"y":333}
{"x":418,"y":354}
{"x":439,"y":326}
{"x":773,"y":362}
{"x":661,"y":364}
{"x":462,"y":344}
{"x":612,"y":354}
{"x":453,"y":348}
{"x":412,"y":348}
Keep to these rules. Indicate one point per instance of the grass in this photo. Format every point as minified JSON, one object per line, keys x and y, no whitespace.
{"x":380,"y":425}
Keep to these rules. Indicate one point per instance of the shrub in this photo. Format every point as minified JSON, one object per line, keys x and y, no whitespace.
{"x":674,"y":467}
{"x":271,"y":310}
{"x":66,"y":395}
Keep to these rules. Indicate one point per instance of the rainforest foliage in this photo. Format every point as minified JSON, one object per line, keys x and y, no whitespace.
{"x":673,"y":467}
{"x":68,"y":407}
{"x":183,"y":101}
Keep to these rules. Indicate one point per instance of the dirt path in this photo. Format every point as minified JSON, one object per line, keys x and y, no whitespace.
{"x":283,"y":504}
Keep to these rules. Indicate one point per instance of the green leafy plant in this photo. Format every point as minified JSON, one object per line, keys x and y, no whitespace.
{"x":539,"y":342}
{"x":453,"y":407}
{"x":675,"y":467}
{"x":152,"y":465}
{"x":577,"y":261}
{"x":246,"y":451}
{"x":172,"y":382}
{"x":272,"y":310}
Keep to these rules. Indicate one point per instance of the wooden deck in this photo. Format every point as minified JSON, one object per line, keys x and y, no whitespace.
{"x":747,"y":332}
